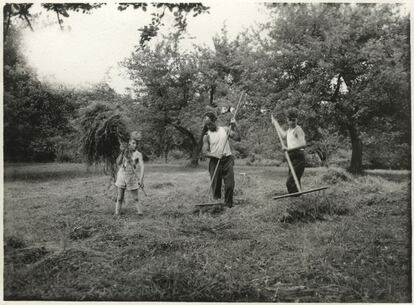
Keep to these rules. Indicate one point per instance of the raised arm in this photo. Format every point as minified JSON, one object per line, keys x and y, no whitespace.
{"x":281,"y":131}
{"x":234,"y":131}
{"x":119,"y":158}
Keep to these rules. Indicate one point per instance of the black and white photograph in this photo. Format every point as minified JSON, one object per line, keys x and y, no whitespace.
{"x":217,"y":151}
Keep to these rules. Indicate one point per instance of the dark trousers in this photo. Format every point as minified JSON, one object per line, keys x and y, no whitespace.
{"x":298,"y":161}
{"x":224,"y":172}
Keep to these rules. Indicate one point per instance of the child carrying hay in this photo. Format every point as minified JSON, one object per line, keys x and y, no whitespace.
{"x":127,"y":177}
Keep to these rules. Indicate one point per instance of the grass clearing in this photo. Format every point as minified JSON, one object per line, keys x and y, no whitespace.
{"x":62,"y":242}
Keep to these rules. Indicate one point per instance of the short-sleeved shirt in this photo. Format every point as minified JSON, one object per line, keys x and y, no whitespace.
{"x":218,"y":141}
{"x":295,"y":137}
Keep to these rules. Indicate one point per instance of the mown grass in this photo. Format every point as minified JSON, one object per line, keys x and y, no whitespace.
{"x":351,"y":243}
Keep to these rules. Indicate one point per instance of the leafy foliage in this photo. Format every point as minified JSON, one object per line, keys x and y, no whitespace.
{"x":166,"y":81}
{"x":343,"y":65}
{"x":34,"y":113}
{"x":180,"y":12}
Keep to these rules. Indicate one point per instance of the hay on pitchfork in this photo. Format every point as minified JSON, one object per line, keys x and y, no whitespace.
{"x":103,"y":129}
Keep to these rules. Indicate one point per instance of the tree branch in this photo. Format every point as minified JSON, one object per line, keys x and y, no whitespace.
{"x":59,"y":20}
{"x":185,"y":132}
{"x":28,"y":22}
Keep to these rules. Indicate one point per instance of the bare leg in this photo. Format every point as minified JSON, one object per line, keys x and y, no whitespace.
{"x":119,"y":200}
{"x":134,"y":194}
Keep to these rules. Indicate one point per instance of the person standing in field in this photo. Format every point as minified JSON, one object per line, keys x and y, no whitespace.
{"x":296,"y":143}
{"x":127,"y":176}
{"x":216,"y":146}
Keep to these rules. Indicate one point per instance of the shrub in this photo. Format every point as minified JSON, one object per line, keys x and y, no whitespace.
{"x":241,"y":150}
{"x":67,"y":149}
{"x":394,"y":156}
{"x":341,"y":158}
{"x":177,"y":154}
{"x":42,"y":150}
{"x":312,"y":160}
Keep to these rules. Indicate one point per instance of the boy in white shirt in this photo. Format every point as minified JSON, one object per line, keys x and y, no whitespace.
{"x":295,"y":138}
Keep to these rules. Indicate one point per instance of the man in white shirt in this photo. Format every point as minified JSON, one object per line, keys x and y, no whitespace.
{"x":216,"y":146}
{"x":295,"y":138}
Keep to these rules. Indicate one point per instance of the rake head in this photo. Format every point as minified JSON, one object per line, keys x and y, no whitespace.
{"x":300,"y":193}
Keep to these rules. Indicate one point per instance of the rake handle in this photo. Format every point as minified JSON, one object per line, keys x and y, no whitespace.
{"x":292,"y":170}
{"x":238,"y":105}
{"x":214,"y":175}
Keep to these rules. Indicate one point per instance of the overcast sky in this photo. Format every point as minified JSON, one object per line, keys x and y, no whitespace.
{"x":91,"y":46}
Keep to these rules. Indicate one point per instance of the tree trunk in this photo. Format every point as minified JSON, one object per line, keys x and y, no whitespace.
{"x":194,"y":156}
{"x":356,"y":158}
{"x":195,"y":148}
{"x":8,"y":8}
{"x":212,"y":91}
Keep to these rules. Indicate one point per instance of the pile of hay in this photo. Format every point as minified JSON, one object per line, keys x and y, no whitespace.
{"x":334,"y":176}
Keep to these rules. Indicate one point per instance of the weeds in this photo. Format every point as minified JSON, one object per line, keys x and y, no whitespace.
{"x":13,"y":242}
{"x":26,"y":255}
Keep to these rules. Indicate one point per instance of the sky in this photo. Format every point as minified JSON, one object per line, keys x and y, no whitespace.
{"x":89,"y":49}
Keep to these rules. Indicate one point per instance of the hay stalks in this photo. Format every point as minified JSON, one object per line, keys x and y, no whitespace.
{"x":103,"y":130}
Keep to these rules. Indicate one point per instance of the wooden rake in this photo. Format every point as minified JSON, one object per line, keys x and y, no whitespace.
{"x":300,"y":191}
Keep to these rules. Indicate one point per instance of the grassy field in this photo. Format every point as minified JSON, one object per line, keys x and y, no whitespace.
{"x":62,"y":242}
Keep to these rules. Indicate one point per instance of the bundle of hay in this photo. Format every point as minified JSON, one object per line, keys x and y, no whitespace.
{"x":103,"y":131}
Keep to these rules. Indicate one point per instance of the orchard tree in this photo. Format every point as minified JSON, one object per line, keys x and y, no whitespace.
{"x":341,"y":64}
{"x":34,"y":113}
{"x":220,"y":67}
{"x":166,"y":81}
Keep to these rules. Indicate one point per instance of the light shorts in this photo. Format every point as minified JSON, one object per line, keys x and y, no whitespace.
{"x":126,"y":180}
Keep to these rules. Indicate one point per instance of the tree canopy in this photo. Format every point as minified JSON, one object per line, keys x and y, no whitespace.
{"x":314,"y":50}
{"x":180,"y":11}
